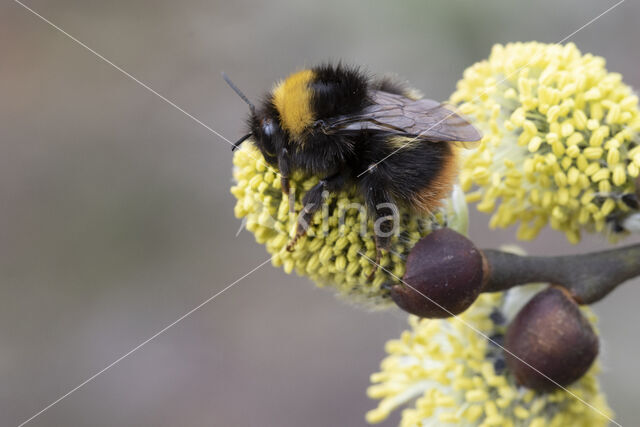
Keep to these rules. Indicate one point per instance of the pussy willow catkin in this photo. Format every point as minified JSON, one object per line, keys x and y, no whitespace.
{"x":339,"y":246}
{"x":560,"y":142}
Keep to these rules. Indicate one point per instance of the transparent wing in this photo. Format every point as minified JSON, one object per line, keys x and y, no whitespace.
{"x":423,"y":119}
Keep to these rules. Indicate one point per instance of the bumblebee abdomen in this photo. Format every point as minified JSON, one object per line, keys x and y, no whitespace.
{"x":420,"y":174}
{"x":432,"y":194}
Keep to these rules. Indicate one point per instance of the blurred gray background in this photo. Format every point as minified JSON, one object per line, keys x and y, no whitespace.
{"x":116,"y":216}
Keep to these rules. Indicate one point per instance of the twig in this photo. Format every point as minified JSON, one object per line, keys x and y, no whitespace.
{"x":589,"y":277}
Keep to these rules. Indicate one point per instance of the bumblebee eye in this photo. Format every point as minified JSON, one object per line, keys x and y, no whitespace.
{"x":267,"y":127}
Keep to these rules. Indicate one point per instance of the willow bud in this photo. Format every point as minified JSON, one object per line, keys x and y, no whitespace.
{"x":552,"y":335}
{"x":444,"y":276}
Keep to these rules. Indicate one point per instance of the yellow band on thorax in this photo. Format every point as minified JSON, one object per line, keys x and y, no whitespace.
{"x":292,"y":99}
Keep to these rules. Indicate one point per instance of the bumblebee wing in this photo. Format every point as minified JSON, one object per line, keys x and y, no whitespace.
{"x":422,"y":119}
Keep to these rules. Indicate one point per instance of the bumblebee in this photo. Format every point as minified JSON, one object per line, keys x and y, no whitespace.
{"x":347,"y":128}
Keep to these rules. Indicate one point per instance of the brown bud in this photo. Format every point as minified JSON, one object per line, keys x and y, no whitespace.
{"x":552,"y":335}
{"x":444,"y":276}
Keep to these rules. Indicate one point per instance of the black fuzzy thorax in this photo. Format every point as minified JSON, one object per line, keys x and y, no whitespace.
{"x":338,"y":90}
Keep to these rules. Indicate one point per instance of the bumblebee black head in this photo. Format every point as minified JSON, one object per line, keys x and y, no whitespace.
{"x":264,"y":126}
{"x":266,"y":132}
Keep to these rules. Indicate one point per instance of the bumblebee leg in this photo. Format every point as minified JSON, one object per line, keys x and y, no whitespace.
{"x":385,"y":214}
{"x":283,"y":165}
{"x":312,"y":203}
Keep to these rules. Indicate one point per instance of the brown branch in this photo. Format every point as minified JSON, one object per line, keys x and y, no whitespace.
{"x":589,"y":277}
{"x":445,"y":273}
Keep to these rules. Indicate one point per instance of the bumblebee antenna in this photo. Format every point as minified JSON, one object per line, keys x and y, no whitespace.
{"x":240,"y":141}
{"x":240,"y":94}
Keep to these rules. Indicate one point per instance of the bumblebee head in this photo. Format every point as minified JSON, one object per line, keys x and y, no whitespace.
{"x":266,"y":132}
{"x":262,"y":123}
{"x":284,"y":116}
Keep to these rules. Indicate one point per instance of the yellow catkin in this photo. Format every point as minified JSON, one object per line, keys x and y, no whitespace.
{"x":334,"y":252}
{"x":443,"y":371}
{"x":567,"y":123}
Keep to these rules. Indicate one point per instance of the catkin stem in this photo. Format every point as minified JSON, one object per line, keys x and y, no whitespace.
{"x":589,"y":277}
